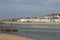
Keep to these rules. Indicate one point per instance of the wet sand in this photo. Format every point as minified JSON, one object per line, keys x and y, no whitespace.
{"x":12,"y":37}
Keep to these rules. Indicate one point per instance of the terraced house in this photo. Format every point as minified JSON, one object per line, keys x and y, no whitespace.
{"x":47,"y":18}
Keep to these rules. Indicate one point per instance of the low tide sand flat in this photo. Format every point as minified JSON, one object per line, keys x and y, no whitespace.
{"x":12,"y":37}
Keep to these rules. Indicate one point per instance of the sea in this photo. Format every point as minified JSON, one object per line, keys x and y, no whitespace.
{"x":37,"y":32}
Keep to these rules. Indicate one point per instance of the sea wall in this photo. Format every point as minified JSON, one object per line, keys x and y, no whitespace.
{"x":43,"y":23}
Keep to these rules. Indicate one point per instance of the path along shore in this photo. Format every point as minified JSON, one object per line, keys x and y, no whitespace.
{"x":42,"y":23}
{"x":12,"y":37}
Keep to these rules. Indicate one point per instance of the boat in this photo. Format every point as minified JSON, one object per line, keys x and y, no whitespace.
{"x":6,"y":29}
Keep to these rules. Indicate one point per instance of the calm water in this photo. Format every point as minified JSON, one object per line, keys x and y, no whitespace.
{"x":38,"y":32}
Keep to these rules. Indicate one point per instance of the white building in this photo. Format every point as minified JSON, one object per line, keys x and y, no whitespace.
{"x":36,"y":20}
{"x":47,"y":18}
{"x":28,"y":20}
{"x":57,"y":20}
{"x":24,"y":20}
{"x":33,"y":20}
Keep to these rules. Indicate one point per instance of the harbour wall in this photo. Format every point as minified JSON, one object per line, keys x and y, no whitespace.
{"x":40,"y":23}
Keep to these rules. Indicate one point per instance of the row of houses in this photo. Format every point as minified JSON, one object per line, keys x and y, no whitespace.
{"x":47,"y":18}
{"x":38,"y":20}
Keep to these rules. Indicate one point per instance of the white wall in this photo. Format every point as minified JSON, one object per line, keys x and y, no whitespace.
{"x":39,"y":20}
{"x":36,"y":20}
{"x":57,"y":20}
{"x":31,"y":20}
{"x":19,"y":20}
{"x":24,"y":20}
{"x":45,"y":20}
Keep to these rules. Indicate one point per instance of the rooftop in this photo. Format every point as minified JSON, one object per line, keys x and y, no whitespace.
{"x":53,"y":14}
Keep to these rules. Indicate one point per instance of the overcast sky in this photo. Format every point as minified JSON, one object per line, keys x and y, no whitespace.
{"x":28,"y":8}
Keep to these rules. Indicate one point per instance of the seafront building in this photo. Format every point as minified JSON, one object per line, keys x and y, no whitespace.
{"x":47,"y":18}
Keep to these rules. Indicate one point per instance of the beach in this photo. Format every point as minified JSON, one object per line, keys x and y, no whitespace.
{"x":12,"y":37}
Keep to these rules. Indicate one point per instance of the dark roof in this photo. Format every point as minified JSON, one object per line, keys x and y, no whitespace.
{"x":53,"y":14}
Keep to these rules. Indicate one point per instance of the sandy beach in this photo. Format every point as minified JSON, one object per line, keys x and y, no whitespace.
{"x":12,"y":37}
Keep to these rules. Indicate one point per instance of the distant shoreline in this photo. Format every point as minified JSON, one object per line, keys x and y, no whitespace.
{"x":40,"y":23}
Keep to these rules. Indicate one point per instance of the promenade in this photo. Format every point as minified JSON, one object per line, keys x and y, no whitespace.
{"x":40,"y":23}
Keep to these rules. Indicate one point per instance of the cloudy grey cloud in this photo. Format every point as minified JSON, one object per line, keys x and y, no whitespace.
{"x":29,"y":7}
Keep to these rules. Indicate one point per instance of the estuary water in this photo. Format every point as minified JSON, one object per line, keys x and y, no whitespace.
{"x":38,"y":32}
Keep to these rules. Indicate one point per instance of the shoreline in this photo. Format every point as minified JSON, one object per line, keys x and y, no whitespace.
{"x":35,"y":23}
{"x":4,"y":36}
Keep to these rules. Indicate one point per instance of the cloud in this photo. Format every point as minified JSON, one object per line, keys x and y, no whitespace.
{"x":30,"y":4}
{"x":35,"y":7}
{"x":22,"y":7}
{"x":50,"y":2}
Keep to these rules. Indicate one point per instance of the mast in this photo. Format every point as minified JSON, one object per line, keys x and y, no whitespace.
{"x":11,"y":26}
{"x":0,"y":23}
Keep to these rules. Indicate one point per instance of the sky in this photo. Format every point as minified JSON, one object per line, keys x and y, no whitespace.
{"x":28,"y":8}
